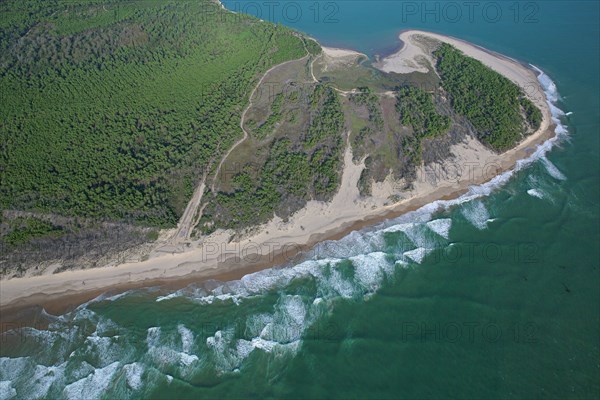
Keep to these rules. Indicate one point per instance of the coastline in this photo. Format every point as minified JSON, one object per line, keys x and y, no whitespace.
{"x":59,"y":292}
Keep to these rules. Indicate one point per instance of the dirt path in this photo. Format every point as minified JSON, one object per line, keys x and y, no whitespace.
{"x":242,"y":120}
{"x":185,"y":226}
{"x":188,"y":220}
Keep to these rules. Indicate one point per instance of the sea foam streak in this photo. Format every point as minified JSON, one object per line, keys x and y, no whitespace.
{"x":133,"y":373}
{"x":535,"y":193}
{"x":441,"y":227}
{"x":476,"y":213}
{"x":6,"y":390}
{"x":552,"y":169}
{"x":92,"y":386}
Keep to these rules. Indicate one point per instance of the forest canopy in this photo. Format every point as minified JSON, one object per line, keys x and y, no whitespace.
{"x":496,"y":107}
{"x":114,"y":110}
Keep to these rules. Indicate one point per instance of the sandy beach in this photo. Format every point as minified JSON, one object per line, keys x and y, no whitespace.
{"x":279,"y":242}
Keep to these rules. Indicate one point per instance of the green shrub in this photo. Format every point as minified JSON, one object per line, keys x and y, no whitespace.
{"x":491,"y":102}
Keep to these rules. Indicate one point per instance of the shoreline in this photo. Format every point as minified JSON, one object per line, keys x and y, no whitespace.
{"x":395,"y":49}
{"x":61,"y":292}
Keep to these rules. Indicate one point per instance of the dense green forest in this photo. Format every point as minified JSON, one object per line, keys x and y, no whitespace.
{"x":113,"y":110}
{"x":416,"y":109}
{"x":295,"y":170}
{"x":493,"y":104}
{"x":23,"y":229}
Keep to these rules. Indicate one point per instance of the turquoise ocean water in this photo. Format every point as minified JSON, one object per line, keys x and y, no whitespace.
{"x":495,"y":295}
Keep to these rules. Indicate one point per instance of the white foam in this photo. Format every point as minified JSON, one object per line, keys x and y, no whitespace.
{"x":552,"y":169}
{"x":268,"y":346}
{"x":226,"y":357}
{"x":169,"y":296}
{"x":82,"y":370}
{"x":292,"y":308}
{"x":105,"y":325}
{"x":261,"y":282}
{"x":51,"y":317}
{"x":420,"y":236}
{"x":280,"y":332}
{"x":417,"y":233}
{"x":153,"y":336}
{"x":6,"y":390}
{"x":118,"y":296}
{"x":165,"y":356}
{"x":355,"y":243}
{"x":41,"y":381}
{"x":548,"y":85}
{"x":187,"y":338}
{"x":370,"y":270}
{"x":97,"y":299}
{"x":398,"y":228}
{"x":11,"y":368}
{"x":543,"y":187}
{"x":288,"y":322}
{"x":83,"y":313}
{"x":244,"y":348}
{"x":93,"y":386}
{"x":46,"y":338}
{"x":57,"y":340}
{"x":257,"y":322}
{"x":133,"y":374}
{"x":441,"y":227}
{"x":417,"y":254}
{"x":103,"y":347}
{"x":187,"y":359}
{"x":535,"y":193}
{"x":265,"y":345}
{"x":476,"y":213}
{"x":335,"y":285}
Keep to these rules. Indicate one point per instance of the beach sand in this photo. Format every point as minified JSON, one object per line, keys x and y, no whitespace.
{"x":278,"y":242}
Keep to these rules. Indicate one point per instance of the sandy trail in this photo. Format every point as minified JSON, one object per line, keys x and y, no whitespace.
{"x":185,"y":226}
{"x":243,"y":118}
{"x":187,"y":221}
